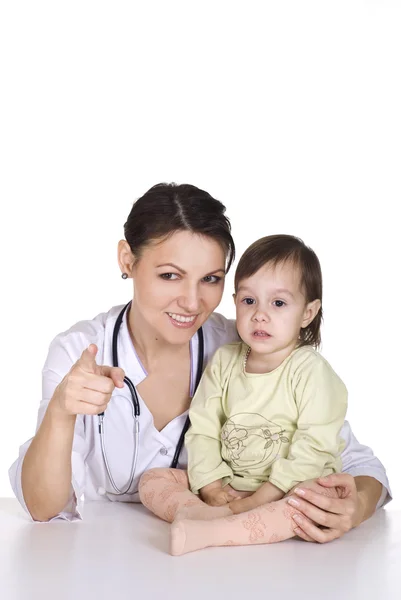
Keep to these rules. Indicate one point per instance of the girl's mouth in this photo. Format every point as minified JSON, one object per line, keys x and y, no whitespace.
{"x":261,"y":334}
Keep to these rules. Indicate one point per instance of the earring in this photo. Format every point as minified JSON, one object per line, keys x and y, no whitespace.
{"x":124,"y":275}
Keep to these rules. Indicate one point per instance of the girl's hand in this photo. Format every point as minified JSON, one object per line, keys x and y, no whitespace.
{"x":264,"y":495}
{"x":216,"y":497}
{"x":243,"y":505}
{"x":332,"y":517}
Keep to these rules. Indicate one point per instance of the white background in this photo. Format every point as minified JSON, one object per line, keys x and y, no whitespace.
{"x":288,"y":112}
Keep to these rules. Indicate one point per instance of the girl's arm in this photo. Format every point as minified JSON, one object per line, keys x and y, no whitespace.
{"x":203,"y":439}
{"x":321,"y":401}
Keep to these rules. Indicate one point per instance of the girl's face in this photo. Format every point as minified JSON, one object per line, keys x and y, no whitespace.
{"x":271,"y":310}
{"x":178,"y":283}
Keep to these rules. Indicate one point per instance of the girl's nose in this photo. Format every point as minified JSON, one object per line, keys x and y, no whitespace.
{"x":261,"y":316}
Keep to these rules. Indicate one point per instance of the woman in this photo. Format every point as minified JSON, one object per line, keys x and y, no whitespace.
{"x":177,"y":250}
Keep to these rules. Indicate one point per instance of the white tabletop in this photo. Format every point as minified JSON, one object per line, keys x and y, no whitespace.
{"x":120,"y":552}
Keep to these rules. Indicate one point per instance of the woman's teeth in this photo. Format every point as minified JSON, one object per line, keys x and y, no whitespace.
{"x":181,"y":319}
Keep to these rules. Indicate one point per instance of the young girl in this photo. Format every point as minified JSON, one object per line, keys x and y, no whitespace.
{"x":267,"y":413}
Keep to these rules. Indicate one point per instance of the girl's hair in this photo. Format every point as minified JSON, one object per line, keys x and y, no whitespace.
{"x":168,"y":207}
{"x":278,"y":249}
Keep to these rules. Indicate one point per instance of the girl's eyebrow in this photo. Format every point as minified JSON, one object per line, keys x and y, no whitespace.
{"x":284,"y":291}
{"x":185,"y":273}
{"x":243,"y":288}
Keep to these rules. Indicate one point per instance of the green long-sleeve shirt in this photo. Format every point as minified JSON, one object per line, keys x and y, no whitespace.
{"x":281,"y":426}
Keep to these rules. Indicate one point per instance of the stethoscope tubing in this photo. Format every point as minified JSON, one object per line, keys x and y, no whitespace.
{"x":137,"y":412}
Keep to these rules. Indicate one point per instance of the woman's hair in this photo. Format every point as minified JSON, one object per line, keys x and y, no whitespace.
{"x":279,"y":249}
{"x":168,"y":207}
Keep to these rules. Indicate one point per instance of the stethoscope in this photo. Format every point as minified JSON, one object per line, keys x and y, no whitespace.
{"x":136,"y":410}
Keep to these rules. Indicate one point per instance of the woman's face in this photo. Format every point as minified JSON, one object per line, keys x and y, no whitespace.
{"x":178,"y":283}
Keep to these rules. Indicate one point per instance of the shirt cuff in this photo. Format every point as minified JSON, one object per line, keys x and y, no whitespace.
{"x":225,"y":475}
{"x":280,"y":485}
{"x":72,"y":511}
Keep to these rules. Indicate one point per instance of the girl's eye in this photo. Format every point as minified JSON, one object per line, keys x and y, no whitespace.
{"x":169,"y":276}
{"x":279,"y":303}
{"x":248,"y":301}
{"x":211,"y":279}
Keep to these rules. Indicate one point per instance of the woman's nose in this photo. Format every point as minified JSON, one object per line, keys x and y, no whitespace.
{"x":190,"y":301}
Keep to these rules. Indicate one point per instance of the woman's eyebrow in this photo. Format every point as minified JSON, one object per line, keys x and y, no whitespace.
{"x":174,"y":267}
{"x":185,"y":273}
{"x":216,"y":271}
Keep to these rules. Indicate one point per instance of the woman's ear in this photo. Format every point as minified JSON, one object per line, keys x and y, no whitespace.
{"x":234,"y":297}
{"x":125,"y":257}
{"x":311,"y":310}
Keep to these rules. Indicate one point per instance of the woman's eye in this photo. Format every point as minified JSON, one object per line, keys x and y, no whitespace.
{"x":279,"y":303}
{"x":211,"y":279}
{"x":169,"y":276}
{"x":248,"y":301}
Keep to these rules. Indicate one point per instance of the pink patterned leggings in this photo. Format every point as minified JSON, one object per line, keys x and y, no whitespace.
{"x":195,"y":525}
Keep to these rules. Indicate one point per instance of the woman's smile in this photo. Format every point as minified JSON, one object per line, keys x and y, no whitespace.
{"x":182,"y":321}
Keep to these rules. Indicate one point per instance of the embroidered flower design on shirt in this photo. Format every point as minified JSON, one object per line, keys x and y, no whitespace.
{"x":250,"y":443}
{"x":274,"y":437}
{"x":233,"y":438}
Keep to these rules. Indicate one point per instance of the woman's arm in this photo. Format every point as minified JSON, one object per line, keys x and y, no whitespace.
{"x":365,"y":481}
{"x":359,"y":460}
{"x":369,"y":493}
{"x":46,"y":471}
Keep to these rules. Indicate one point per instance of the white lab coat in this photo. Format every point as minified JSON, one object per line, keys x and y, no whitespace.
{"x":156,"y":448}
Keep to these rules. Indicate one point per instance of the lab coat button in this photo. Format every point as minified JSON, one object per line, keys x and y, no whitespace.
{"x":163,"y":451}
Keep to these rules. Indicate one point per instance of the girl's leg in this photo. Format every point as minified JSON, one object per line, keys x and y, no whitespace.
{"x":265,"y":525}
{"x":166,"y":493}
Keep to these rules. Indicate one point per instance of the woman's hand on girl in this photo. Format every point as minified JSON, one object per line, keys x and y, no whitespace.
{"x":325,"y":518}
